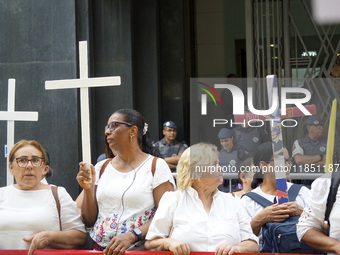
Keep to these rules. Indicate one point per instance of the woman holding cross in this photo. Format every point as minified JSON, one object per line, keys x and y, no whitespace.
{"x":121,"y":200}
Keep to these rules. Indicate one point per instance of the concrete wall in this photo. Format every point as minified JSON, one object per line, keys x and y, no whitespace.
{"x":39,"y":44}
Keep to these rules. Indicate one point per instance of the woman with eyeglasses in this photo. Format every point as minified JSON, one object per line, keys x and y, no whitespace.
{"x":266,"y":187}
{"x":29,"y":218}
{"x":121,"y":199}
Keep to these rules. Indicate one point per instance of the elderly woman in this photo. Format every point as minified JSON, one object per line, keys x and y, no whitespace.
{"x":198,"y":217}
{"x":121,"y":199}
{"x":29,"y":218}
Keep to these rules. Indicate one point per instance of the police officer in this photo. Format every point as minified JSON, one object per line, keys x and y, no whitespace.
{"x":310,"y":150}
{"x":228,"y":158}
{"x":169,"y":148}
{"x":228,"y":154}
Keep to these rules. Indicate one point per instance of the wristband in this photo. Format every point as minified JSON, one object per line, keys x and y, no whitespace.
{"x":136,"y":237}
{"x":138,"y":233}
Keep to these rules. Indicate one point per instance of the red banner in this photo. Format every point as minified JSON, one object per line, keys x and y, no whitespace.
{"x":87,"y":252}
{"x":290,"y":113}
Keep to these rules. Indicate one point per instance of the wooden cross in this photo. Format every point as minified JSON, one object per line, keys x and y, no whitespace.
{"x":10,"y":116}
{"x":84,"y":82}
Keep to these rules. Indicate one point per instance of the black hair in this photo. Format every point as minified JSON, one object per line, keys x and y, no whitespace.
{"x":108,"y":151}
{"x":136,"y":119}
{"x":263,"y":153}
{"x":257,"y":180}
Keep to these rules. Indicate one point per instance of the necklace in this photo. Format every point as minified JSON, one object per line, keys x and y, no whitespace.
{"x":127,"y":163}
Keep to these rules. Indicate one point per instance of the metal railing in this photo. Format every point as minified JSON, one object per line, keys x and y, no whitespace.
{"x":293,"y":176}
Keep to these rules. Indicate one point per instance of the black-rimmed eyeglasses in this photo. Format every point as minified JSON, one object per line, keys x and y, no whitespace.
{"x":114,"y":124}
{"x":36,"y":161}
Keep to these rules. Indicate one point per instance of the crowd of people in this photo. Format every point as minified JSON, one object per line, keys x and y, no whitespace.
{"x":130,"y":200}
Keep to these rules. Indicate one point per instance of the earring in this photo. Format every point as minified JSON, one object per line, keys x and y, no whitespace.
{"x":131,"y":138}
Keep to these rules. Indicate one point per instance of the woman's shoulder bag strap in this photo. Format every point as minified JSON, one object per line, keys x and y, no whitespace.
{"x":153,"y":166}
{"x":56,"y":198}
{"x":104,"y":166}
{"x":101,"y":173}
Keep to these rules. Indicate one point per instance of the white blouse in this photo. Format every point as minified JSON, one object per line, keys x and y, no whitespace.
{"x":26,"y":212}
{"x":125,"y":200}
{"x":253,"y":208}
{"x":225,"y":223}
{"x":314,"y":212}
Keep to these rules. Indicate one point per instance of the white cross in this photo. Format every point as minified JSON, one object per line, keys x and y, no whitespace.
{"x":84,"y":82}
{"x":10,"y":116}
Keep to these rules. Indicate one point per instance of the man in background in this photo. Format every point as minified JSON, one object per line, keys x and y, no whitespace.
{"x":169,"y":148}
{"x":228,"y":154}
{"x":310,"y":150}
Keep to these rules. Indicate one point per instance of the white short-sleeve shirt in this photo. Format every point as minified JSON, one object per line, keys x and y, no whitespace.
{"x":225,"y":223}
{"x":253,"y":208}
{"x":297,"y":149}
{"x":125,"y":200}
{"x":26,"y":212}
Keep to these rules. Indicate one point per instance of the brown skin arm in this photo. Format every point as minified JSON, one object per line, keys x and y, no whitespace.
{"x":173,"y":160}
{"x":320,"y":241}
{"x":273,"y":213}
{"x":160,"y":190}
{"x":309,"y":159}
{"x":89,"y":210}
{"x":294,"y":208}
{"x":120,"y":243}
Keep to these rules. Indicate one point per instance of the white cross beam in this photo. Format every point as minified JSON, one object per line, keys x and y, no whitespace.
{"x":84,"y":82}
{"x":10,"y":116}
